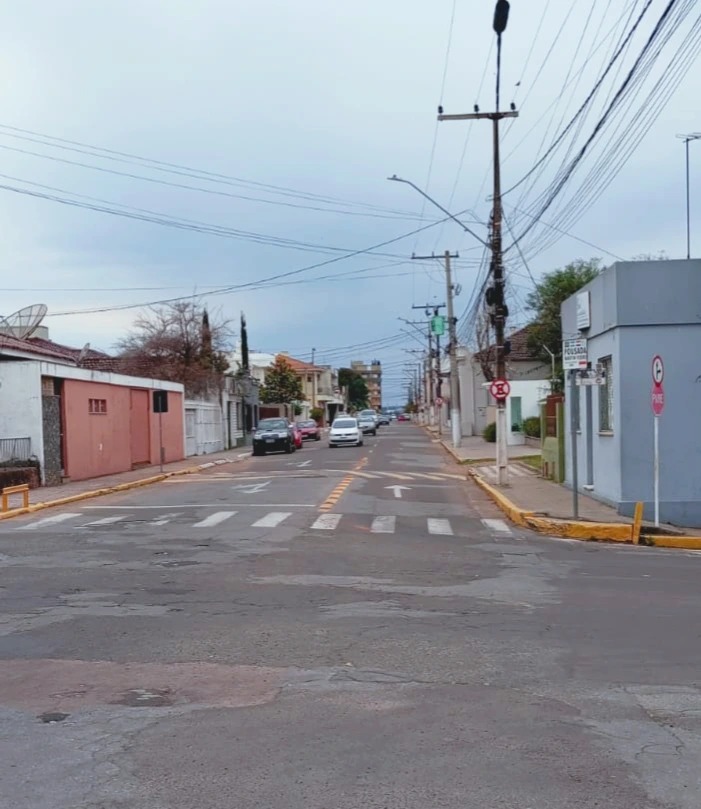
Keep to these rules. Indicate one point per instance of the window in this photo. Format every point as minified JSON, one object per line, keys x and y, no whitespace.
{"x":606,"y":397}
{"x":97,"y":406}
{"x":309,"y":377}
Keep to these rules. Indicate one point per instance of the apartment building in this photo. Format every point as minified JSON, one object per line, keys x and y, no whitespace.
{"x":372,"y":374}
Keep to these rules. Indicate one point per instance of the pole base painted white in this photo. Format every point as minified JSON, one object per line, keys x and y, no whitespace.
{"x":502,"y":457}
{"x":455,"y":427}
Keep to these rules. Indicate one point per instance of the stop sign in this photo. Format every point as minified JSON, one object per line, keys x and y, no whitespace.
{"x":657,"y":399}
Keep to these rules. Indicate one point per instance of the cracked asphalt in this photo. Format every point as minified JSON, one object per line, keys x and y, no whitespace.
{"x":205,"y":643}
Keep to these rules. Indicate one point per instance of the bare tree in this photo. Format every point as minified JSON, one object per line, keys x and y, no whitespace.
{"x":178,"y":342}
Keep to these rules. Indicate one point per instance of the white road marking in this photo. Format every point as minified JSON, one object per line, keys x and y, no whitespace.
{"x":327,"y":522}
{"x":383,"y":525}
{"x":437,"y":525}
{"x":56,"y":518}
{"x":398,"y":490}
{"x":105,"y":521}
{"x":394,"y":475}
{"x":214,"y":519}
{"x":252,"y":488}
{"x":162,"y":519}
{"x":271,"y":520}
{"x":211,"y":505}
{"x":497,"y":525}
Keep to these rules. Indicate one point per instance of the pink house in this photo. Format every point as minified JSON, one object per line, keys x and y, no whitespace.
{"x":82,"y":423}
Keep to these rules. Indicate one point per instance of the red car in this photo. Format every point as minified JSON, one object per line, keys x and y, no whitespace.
{"x":297,"y":433}
{"x":403,"y":417}
{"x":310,"y":429}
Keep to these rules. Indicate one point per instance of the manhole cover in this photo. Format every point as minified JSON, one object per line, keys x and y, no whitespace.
{"x":53,"y":716}
{"x":145,"y":698}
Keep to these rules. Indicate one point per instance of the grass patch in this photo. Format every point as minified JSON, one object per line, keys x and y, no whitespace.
{"x":534,"y":461}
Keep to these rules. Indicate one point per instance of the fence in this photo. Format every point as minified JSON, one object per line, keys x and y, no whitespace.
{"x":15,"y":449}
{"x":204,"y":432}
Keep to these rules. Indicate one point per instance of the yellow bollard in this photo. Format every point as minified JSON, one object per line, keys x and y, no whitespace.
{"x":637,"y":522}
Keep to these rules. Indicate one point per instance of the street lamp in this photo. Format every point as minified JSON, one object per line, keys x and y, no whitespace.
{"x":687,"y":139}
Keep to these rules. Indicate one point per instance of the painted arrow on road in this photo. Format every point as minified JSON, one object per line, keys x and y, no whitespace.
{"x":252,"y":488}
{"x":398,"y":490}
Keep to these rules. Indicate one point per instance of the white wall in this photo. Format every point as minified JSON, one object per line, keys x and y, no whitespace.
{"x":204,"y":428}
{"x":530,"y":392}
{"x":20,"y":404}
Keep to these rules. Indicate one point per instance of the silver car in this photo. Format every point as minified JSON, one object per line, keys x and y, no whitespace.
{"x":367,"y":424}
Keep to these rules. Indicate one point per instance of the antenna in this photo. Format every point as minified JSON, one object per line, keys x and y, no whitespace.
{"x":83,"y":353}
{"x":24,"y":323}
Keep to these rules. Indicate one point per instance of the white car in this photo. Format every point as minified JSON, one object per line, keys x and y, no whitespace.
{"x":345,"y":431}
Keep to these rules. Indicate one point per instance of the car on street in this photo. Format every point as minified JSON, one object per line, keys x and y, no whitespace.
{"x":273,"y":435}
{"x":296,"y":434}
{"x":345,"y":431}
{"x":367,"y":424}
{"x":369,"y":412}
{"x":402,"y":417}
{"x":393,"y":417}
{"x":310,"y":429}
{"x":383,"y":419}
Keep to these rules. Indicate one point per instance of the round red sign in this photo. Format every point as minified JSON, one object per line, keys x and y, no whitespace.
{"x":439,"y":401}
{"x":500,"y":389}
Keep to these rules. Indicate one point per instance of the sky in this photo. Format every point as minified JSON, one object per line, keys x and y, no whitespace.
{"x":284,"y":120}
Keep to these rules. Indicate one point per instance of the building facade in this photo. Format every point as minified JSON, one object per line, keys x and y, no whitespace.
{"x":372,"y":374}
{"x":629,"y":314}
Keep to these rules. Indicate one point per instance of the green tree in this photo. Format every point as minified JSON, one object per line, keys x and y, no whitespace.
{"x":546,"y":299}
{"x":358,"y":394}
{"x":282,"y":385}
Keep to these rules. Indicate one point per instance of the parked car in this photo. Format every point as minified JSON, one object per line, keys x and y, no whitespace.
{"x":310,"y":429}
{"x":296,"y":434}
{"x":273,"y":435}
{"x":345,"y":431}
{"x":367,"y":424}
{"x":403,"y":417}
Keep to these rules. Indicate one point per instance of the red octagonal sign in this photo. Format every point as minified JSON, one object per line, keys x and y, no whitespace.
{"x":500,"y":389}
{"x":657,"y":399}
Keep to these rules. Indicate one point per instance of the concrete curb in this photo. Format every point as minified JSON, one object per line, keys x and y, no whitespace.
{"x":120,"y":487}
{"x":580,"y":529}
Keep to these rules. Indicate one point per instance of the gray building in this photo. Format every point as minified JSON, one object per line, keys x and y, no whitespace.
{"x":630,"y":313}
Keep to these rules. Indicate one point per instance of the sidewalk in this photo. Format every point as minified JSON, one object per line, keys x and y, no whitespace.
{"x":535,"y":502}
{"x":47,"y":496}
{"x":475,"y":448}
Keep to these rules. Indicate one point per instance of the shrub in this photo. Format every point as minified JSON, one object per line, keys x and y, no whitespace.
{"x":490,"y":432}
{"x":297,"y":409}
{"x":317,"y":414}
{"x":531,"y":427}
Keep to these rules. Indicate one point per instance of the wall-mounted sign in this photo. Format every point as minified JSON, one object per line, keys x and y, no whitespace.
{"x":583,"y":310}
{"x":574,"y":354}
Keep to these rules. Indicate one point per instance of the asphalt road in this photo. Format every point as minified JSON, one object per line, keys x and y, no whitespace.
{"x":294,"y":632}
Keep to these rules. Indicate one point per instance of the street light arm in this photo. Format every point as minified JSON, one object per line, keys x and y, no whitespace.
{"x":396,"y":179}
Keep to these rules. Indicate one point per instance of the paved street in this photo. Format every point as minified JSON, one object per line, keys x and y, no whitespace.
{"x":340,"y":629}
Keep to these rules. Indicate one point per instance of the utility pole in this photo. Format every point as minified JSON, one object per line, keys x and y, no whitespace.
{"x":313,"y":380}
{"x":436,"y":307}
{"x":501,"y":15}
{"x":455,"y":420}
{"x":687,"y":139}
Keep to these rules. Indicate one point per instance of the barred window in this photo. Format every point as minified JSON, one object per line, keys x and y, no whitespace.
{"x":97,"y":406}
{"x":606,"y":397}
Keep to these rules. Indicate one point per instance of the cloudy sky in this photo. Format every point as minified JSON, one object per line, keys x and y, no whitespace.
{"x":281,"y":122}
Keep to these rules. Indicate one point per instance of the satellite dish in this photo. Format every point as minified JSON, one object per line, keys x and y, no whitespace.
{"x":83,"y":353}
{"x":24,"y":323}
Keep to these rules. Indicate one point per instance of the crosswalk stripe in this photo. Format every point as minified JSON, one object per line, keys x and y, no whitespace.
{"x":497,"y":525}
{"x":327,"y":522}
{"x":272,"y":520}
{"x":53,"y":520}
{"x":383,"y":525}
{"x":105,"y":521}
{"x":214,"y":519}
{"x":438,"y":525}
{"x":394,"y":475}
{"x":162,"y":519}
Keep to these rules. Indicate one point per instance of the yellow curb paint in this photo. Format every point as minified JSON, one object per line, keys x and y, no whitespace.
{"x":568,"y":529}
{"x":120,"y":487}
{"x":683,"y":543}
{"x":637,"y":522}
